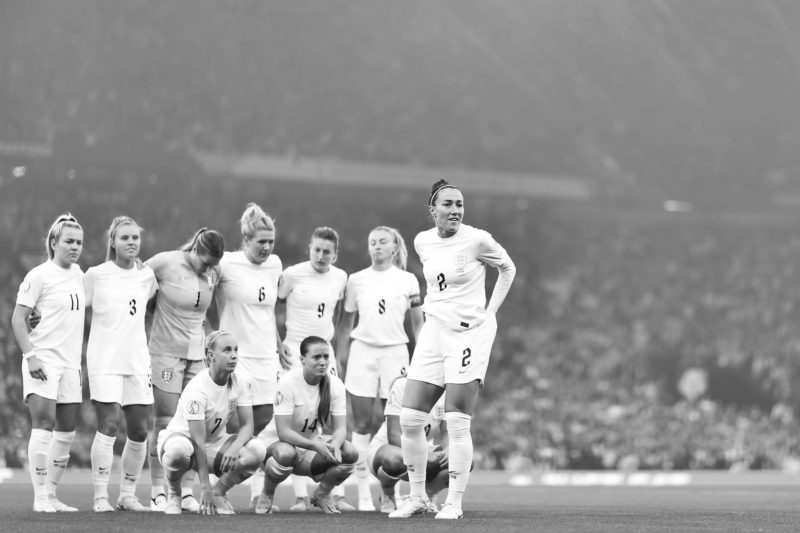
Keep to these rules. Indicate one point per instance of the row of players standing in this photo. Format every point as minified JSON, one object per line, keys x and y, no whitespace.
{"x":240,"y":289}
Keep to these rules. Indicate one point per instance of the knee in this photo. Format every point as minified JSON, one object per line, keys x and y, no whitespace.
{"x":412,"y":420}
{"x":458,"y":424}
{"x":252,"y":454}
{"x":362,"y":425}
{"x":284,"y":454}
{"x":393,"y":464}
{"x":137,"y":427}
{"x":107,"y":426}
{"x":137,"y":434}
{"x":349,"y":453}
{"x":177,"y":454}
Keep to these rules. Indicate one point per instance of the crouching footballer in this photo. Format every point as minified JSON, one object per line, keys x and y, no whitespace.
{"x":195,"y":438}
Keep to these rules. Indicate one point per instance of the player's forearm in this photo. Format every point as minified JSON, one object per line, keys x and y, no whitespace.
{"x":507,"y":271}
{"x":19,"y":326}
{"x":290,"y":436}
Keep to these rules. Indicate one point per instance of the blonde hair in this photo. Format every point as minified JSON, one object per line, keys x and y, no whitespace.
{"x":111,"y":252}
{"x":65,"y":220}
{"x":400,"y":258}
{"x":255,"y":219}
{"x":211,"y":339}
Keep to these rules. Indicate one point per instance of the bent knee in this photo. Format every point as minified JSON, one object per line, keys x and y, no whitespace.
{"x":284,"y":454}
{"x":393,"y":464}
{"x":349,"y":453}
{"x":177,"y":453}
{"x":252,"y":454}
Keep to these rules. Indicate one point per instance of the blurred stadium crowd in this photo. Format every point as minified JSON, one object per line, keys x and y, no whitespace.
{"x":611,"y":307}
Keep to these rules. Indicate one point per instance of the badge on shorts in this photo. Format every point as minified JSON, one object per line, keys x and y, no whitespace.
{"x":166,"y":375}
{"x":193,"y":408}
{"x":278,"y":398}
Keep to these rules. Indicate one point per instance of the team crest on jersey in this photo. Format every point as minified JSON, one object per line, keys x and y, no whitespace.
{"x":461,"y":262}
{"x":166,"y":375}
{"x":193,"y":408}
{"x":231,"y":405}
{"x":278,"y":398}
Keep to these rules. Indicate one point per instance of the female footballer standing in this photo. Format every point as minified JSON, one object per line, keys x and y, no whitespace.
{"x":245,"y":303}
{"x":385,"y":297}
{"x":313,"y":291}
{"x":118,"y":362}
{"x":186,"y":281}
{"x":51,"y":357}
{"x":452,"y":353}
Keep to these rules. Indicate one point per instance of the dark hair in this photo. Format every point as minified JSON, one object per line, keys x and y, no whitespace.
{"x":436,"y":187}
{"x":327,"y":234}
{"x":206,"y":241}
{"x":324,"y":409}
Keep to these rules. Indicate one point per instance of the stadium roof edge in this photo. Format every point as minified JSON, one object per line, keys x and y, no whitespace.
{"x":269,"y":167}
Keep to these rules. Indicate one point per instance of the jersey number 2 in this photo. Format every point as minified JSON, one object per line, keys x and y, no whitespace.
{"x":442,"y":284}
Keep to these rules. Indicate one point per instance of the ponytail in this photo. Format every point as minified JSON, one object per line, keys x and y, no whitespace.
{"x":324,"y":408}
{"x":206,"y":241}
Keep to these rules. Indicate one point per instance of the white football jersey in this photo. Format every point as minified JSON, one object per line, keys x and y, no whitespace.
{"x":297,"y":398}
{"x":455,"y":273}
{"x":393,"y":406}
{"x":117,"y":340}
{"x":245,"y":297}
{"x":202,"y":399}
{"x":311,"y":299}
{"x":56,"y":294}
{"x":381,"y":299}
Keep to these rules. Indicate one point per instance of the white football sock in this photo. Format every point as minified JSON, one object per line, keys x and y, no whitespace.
{"x":415,"y":448}
{"x":102,"y":456}
{"x":460,"y":454}
{"x":38,"y":449}
{"x":361,"y":442}
{"x":133,"y":457}
{"x":58,"y":458}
